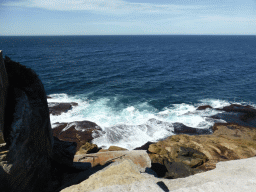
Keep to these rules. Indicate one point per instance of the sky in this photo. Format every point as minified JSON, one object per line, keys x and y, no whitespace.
{"x":127,"y":17}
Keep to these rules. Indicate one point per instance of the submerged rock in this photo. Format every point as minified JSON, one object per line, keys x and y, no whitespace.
{"x":59,"y":108}
{"x":180,"y":128}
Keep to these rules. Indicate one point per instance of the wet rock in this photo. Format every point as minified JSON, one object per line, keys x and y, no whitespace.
{"x":203,"y":107}
{"x":244,"y":115}
{"x":59,"y":108}
{"x":78,"y":131}
{"x":180,"y":128}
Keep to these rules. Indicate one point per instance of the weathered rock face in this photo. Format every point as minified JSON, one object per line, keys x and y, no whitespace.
{"x":78,"y":131}
{"x":3,"y":94}
{"x":59,"y":108}
{"x":140,"y":158}
{"x":202,"y":152}
{"x":27,"y":130}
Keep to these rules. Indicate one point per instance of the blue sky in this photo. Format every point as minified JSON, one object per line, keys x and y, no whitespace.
{"x":127,"y":17}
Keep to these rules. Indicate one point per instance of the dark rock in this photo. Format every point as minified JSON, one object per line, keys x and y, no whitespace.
{"x":78,"y":131}
{"x":180,"y":128}
{"x":244,"y":115}
{"x":27,"y":131}
{"x":160,"y":169}
{"x":145,"y":146}
{"x":63,"y":151}
{"x":177,"y":170}
{"x":3,"y":94}
{"x":203,"y":107}
{"x":59,"y":108}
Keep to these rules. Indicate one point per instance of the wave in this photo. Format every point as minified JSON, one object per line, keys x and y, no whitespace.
{"x":132,"y":125}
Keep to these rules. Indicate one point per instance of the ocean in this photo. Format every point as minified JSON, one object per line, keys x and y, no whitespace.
{"x":138,"y":86}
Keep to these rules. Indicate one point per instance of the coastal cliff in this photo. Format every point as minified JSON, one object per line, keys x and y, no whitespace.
{"x":33,"y":157}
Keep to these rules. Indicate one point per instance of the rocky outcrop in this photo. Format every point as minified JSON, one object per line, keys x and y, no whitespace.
{"x":3,"y":94}
{"x":244,"y":115}
{"x":140,"y":158}
{"x":59,"y":108}
{"x":79,"y":132}
{"x":31,"y":159}
{"x":123,"y":173}
{"x":27,"y":130}
{"x":202,"y":152}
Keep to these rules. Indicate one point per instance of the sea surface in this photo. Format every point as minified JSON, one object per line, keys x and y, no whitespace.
{"x":137,"y":86}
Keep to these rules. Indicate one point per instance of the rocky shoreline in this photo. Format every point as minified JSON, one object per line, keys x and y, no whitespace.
{"x":35,"y":157}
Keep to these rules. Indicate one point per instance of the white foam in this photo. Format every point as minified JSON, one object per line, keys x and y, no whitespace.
{"x":134,"y":125}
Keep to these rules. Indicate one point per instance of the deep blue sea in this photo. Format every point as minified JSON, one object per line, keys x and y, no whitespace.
{"x":127,"y":84}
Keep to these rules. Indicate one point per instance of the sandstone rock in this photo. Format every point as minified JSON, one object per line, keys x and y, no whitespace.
{"x":27,"y":131}
{"x":116,"y":148}
{"x":78,"y":131}
{"x":3,"y":94}
{"x":124,"y":173}
{"x":228,"y":142}
{"x":59,"y":108}
{"x":87,"y":148}
{"x":140,"y":158}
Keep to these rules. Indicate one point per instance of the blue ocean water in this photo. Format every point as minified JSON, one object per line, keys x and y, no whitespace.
{"x":127,"y":84}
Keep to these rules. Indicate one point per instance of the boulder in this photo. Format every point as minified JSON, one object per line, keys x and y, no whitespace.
{"x":59,"y":108}
{"x":78,"y":131}
{"x":122,"y":173}
{"x":140,"y":158}
{"x":27,"y":131}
